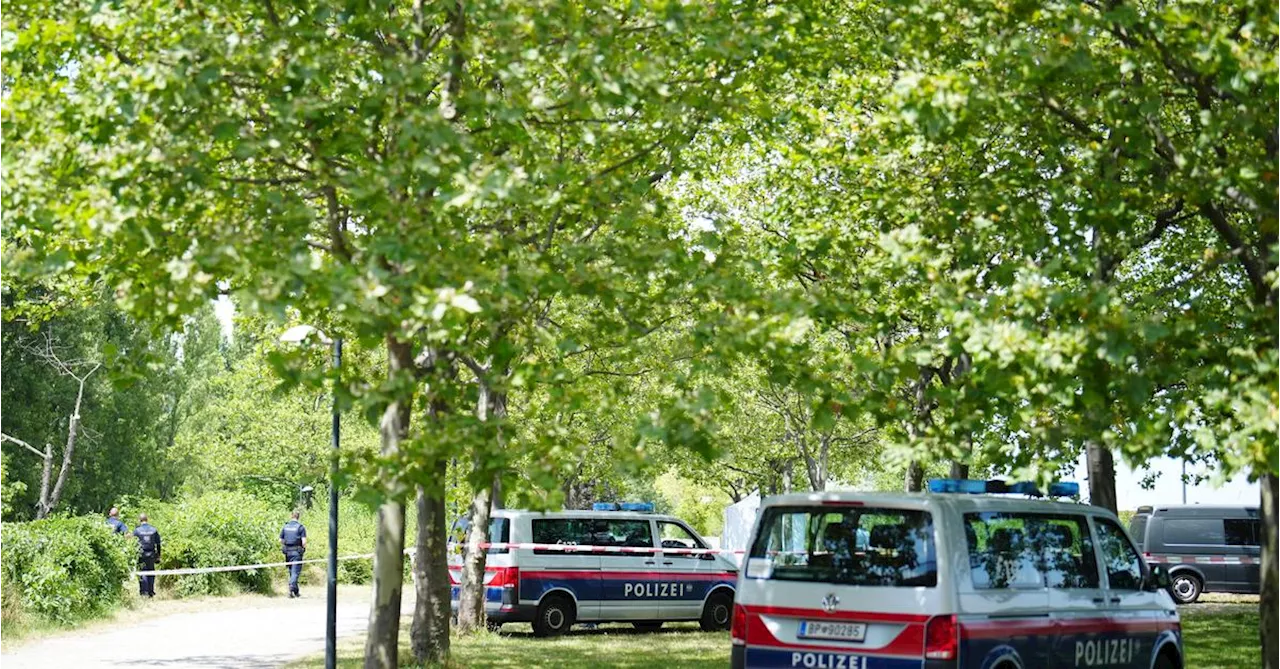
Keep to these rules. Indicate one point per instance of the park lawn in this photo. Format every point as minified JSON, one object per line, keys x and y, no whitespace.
{"x":1221,"y":638}
{"x":1218,"y":638}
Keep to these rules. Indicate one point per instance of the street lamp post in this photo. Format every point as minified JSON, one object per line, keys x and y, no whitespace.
{"x":298,"y":334}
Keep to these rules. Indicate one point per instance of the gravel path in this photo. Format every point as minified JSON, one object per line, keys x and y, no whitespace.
{"x":259,"y":636}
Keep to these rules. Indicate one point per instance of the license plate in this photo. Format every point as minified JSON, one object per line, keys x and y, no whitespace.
{"x":821,"y":629}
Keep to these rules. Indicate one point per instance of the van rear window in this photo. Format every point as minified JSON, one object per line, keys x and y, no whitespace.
{"x":845,"y":545}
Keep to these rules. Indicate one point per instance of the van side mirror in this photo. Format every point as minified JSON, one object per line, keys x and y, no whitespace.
{"x":1158,"y":579}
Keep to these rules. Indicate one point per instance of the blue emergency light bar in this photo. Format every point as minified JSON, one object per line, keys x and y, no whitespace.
{"x":980,"y":487}
{"x":641,"y":507}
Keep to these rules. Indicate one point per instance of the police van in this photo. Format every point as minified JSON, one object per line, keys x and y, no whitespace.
{"x":1206,"y":548}
{"x":616,"y":563}
{"x":949,"y":578}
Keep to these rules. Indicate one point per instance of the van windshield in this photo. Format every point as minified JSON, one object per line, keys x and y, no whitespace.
{"x":845,"y":545}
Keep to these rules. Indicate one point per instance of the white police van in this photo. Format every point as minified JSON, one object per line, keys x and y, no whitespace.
{"x":939,"y":579}
{"x":616,"y":563}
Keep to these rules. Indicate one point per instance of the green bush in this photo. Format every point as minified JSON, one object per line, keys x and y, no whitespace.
{"x":63,"y":569}
{"x":357,"y":533}
{"x":214,"y":530}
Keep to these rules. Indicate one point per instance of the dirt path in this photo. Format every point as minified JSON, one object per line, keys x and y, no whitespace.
{"x":265,"y":634}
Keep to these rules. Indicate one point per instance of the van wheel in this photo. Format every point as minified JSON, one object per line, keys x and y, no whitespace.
{"x":648,"y":626}
{"x":1186,"y":587}
{"x":555,"y":616}
{"x":1165,"y":661}
{"x":718,"y":613}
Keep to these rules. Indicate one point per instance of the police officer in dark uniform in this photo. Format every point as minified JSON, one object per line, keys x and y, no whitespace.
{"x":293,"y":541}
{"x":114,"y":522}
{"x":148,"y":554}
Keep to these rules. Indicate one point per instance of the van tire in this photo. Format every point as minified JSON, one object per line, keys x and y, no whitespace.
{"x":1165,"y":661}
{"x":650,"y":626}
{"x":555,"y":616}
{"x":717,"y":614}
{"x":1186,"y":587}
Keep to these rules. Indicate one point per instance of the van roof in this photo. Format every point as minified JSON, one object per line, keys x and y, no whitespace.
{"x":1202,"y":510}
{"x":925,"y":500}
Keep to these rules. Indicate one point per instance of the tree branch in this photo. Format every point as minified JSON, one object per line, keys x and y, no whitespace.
{"x":29,"y":447}
{"x":1253,"y":268}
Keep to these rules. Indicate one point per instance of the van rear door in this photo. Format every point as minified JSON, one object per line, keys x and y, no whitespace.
{"x":837,"y":584}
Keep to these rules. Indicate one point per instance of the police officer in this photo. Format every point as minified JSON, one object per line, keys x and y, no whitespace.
{"x":148,"y":555}
{"x":114,"y":522}
{"x":293,"y":541}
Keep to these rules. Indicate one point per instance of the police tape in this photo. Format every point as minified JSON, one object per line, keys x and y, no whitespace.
{"x":586,"y":548}
{"x":186,"y":571}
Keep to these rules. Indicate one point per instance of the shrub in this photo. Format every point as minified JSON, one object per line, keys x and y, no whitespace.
{"x":214,"y":530}
{"x":63,"y":569}
{"x":357,"y":530}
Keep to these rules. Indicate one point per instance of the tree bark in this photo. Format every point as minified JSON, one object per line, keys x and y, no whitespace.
{"x":42,"y":504}
{"x":382,"y":647}
{"x":1269,"y":618}
{"x":915,"y":476}
{"x":471,"y":614}
{"x":429,"y":634}
{"x":959,"y":470}
{"x":471,"y":598}
{"x":1102,"y":476}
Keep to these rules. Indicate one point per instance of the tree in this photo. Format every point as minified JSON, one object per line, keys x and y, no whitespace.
{"x":369,"y":168}
{"x":1084,"y":202}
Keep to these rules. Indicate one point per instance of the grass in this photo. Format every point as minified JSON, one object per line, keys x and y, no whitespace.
{"x":1221,"y":636}
{"x":675,"y":646}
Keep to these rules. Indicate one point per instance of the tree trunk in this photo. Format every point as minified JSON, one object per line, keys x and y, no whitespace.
{"x":471,"y":614}
{"x":915,"y":476}
{"x":382,"y":647}
{"x":73,"y":427}
{"x":42,"y":504}
{"x":959,"y":470}
{"x":471,"y":598}
{"x":786,"y":476}
{"x":429,"y":634}
{"x":1268,"y":619}
{"x":1102,"y":476}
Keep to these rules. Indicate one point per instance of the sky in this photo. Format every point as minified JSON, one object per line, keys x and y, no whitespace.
{"x":1168,"y":486}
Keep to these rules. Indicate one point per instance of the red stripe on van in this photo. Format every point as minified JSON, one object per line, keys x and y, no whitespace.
{"x":859,"y":616}
{"x":1005,"y":628}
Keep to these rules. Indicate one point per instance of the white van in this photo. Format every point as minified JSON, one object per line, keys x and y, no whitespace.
{"x":933,"y":580}
{"x":557,"y":569}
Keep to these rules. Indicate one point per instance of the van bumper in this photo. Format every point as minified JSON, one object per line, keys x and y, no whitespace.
{"x":498,"y":607}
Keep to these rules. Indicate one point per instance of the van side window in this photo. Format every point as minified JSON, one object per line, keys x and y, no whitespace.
{"x":566,"y":531}
{"x":1029,"y":551}
{"x":1194,"y":532}
{"x":674,"y":535}
{"x":1124,"y":567}
{"x":1241,"y":531}
{"x":631,"y":533}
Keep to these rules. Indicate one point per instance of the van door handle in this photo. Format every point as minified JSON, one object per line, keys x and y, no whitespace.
{"x":650,"y":562}
{"x":1099,"y":600}
{"x":1115,"y":600}
{"x":668,"y":563}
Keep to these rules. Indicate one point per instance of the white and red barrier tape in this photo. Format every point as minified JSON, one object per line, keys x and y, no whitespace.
{"x":1202,"y":559}
{"x":565,"y":548}
{"x":583,"y":548}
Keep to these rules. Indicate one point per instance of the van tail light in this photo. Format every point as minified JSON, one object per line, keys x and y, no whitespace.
{"x":941,"y":638}
{"x":504,"y":577}
{"x":738,"y":629}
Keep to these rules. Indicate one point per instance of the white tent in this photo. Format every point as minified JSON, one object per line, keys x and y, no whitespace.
{"x":739,"y":519}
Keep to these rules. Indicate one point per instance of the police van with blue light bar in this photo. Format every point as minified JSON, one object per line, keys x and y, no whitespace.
{"x":615,"y":563}
{"x":962,"y":576}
